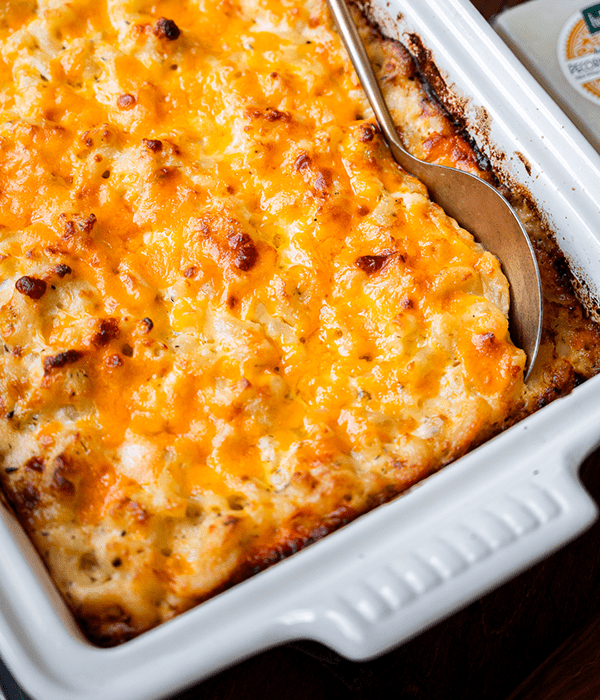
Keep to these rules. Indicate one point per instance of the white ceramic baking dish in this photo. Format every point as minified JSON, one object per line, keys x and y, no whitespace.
{"x":392,"y":573}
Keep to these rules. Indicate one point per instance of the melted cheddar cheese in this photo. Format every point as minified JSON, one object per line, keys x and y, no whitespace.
{"x":230,"y":321}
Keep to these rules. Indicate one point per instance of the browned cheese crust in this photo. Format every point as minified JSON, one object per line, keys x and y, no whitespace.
{"x":230,"y":322}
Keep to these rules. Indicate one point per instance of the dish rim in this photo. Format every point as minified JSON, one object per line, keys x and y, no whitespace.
{"x":335,"y":590}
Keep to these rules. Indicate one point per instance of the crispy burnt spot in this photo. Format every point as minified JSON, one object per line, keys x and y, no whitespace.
{"x":372,"y":263}
{"x":302,"y":162}
{"x":367,"y":132}
{"x":126,"y":102}
{"x":77,"y":224}
{"x":153,"y":145}
{"x":275,"y":115}
{"x":563,"y":276}
{"x":59,"y":478}
{"x":485,"y":342}
{"x":61,"y":360}
{"x":244,"y":250}
{"x":166,"y":173}
{"x":320,"y":180}
{"x":146,"y":325}
{"x":26,"y":498}
{"x":31,"y":287}
{"x":270,"y":114}
{"x":166,"y":29}
{"x":108,"y":329}
{"x":234,"y":245}
{"x":62,"y":270}
{"x":36,"y":464}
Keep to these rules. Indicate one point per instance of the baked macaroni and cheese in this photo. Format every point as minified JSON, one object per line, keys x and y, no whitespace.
{"x":230,"y":322}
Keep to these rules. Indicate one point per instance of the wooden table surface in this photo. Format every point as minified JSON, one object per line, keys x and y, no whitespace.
{"x":481,"y":653}
{"x":484,"y":652}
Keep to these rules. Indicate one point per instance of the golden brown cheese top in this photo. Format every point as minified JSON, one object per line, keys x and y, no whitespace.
{"x":229,"y":318}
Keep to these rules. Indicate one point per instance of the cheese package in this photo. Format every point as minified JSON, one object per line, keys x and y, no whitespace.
{"x":559,"y":42}
{"x":230,"y":322}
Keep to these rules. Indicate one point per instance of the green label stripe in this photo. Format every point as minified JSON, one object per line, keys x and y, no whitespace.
{"x":591,"y":15}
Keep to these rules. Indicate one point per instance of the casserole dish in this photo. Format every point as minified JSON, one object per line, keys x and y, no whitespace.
{"x":367,"y":615}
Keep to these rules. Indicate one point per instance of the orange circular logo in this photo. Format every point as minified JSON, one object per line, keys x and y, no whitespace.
{"x":579,"y":57}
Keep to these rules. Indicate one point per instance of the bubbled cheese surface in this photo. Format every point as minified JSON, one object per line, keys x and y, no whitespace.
{"x":230,"y":321}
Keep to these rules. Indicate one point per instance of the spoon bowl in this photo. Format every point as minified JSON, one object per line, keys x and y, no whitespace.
{"x":473,"y":203}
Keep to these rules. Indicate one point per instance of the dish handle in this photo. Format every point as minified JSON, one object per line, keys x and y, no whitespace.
{"x":430,"y":568}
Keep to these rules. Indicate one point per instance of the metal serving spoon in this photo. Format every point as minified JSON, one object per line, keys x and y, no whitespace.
{"x":476,"y":206}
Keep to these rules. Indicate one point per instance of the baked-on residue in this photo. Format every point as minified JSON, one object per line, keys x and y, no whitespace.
{"x":230,"y":322}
